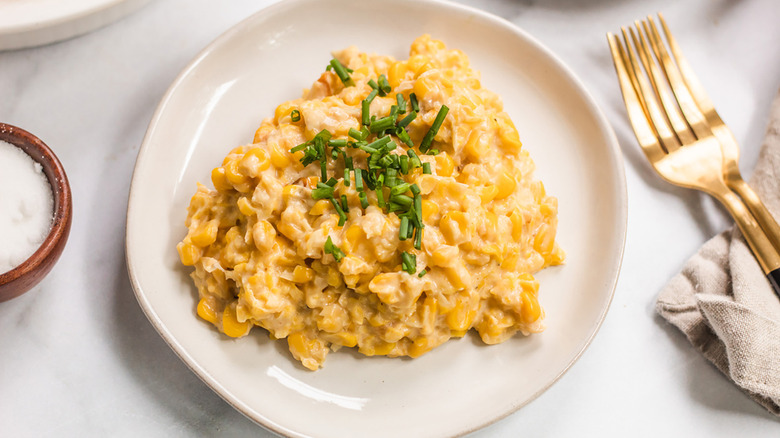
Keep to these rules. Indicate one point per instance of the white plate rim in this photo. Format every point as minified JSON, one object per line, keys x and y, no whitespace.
{"x":70,"y":23}
{"x":604,"y":126}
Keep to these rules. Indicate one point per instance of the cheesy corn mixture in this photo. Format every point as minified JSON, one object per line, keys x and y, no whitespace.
{"x":257,"y":242}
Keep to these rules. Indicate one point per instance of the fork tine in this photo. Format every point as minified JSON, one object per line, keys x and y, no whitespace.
{"x":658,"y":81}
{"x":637,"y":113}
{"x":657,"y":118}
{"x":695,"y":87}
{"x":693,"y":115}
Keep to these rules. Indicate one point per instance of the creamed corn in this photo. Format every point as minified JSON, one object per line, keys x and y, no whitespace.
{"x":257,"y":241}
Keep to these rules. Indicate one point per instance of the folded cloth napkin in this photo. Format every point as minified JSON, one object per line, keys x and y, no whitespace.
{"x":723,"y":302}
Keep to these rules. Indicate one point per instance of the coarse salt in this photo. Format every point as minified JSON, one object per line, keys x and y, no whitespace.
{"x":26,"y":206}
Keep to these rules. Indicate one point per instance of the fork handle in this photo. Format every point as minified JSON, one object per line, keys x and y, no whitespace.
{"x":765,"y":219}
{"x":766,"y":254}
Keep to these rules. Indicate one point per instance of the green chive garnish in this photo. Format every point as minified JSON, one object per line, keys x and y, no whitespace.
{"x":428,"y":139}
{"x":341,"y":72}
{"x":407,"y":120}
{"x":415,"y":104}
{"x":363,"y":200}
{"x":295,"y":115}
{"x":384,"y":86}
{"x":401,"y":103}
{"x":426,"y":168}
{"x":404,"y":228}
{"x":422,"y":273}
{"x":382,"y":124}
{"x":330,"y":248}
{"x":322,"y":193}
{"x":404,"y":163}
{"x":344,"y":203}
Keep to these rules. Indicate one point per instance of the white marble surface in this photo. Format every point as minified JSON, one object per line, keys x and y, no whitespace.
{"x":80,"y":359}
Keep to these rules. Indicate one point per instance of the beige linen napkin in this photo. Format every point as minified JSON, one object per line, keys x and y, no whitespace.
{"x":723,"y":302}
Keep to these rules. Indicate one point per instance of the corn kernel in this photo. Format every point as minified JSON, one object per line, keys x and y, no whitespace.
{"x":462,"y":316}
{"x":206,"y":311}
{"x":396,"y":73}
{"x":444,"y":164}
{"x":477,"y":145}
{"x":544,"y":239}
{"x":530,"y":311}
{"x":415,"y":62}
{"x":188,"y":253}
{"x":508,"y":134}
{"x":233,"y":174}
{"x":219,"y":179}
{"x":379,"y":349}
{"x":429,"y":209}
{"x":254,"y":161}
{"x":245,"y":206}
{"x":334,"y":277}
{"x":231,"y":326}
{"x":262,"y":133}
{"x":279,"y":157}
{"x":206,"y":234}
{"x":346,"y":339}
{"x":303,"y":274}
{"x":517,"y":224}
{"x":423,"y":86}
{"x":506,"y":185}
{"x":488,"y":193}
{"x":353,"y":236}
{"x":284,"y":110}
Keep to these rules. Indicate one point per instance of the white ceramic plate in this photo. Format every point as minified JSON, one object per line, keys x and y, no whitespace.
{"x":219,"y":100}
{"x":27,"y":23}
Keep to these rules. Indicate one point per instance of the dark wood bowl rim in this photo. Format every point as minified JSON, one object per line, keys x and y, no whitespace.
{"x":62,"y":208}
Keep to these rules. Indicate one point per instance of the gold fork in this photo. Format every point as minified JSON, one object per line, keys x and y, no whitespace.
{"x":681,"y":154}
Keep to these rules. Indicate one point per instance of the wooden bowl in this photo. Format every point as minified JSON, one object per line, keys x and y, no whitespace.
{"x":23,"y":277}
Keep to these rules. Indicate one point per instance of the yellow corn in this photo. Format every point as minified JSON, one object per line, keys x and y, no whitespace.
{"x":454,"y":227}
{"x":455,"y":279}
{"x":429,"y":209}
{"x":206,"y":311}
{"x":334,"y":277}
{"x":419,"y":347}
{"x":233,"y":173}
{"x":346,"y":339}
{"x":423,"y":86}
{"x":381,"y":348}
{"x":188,"y":253}
{"x":279,"y":157}
{"x":284,"y":110}
{"x":477,"y":145}
{"x":517,"y":224}
{"x":219,"y":179}
{"x":320,"y":207}
{"x":544,"y":239}
{"x":206,"y":234}
{"x":506,"y":185}
{"x":488,"y":193}
{"x":530,"y":311}
{"x":415,"y":62}
{"x":529,"y":283}
{"x":245,"y":206}
{"x":508,"y":134}
{"x":255,"y":161}
{"x":444,"y":164}
{"x":557,"y":256}
{"x":462,"y":316}
{"x":396,"y":73}
{"x":262,"y":132}
{"x":353,"y":236}
{"x":303,"y":274}
{"x":292,"y":191}
{"x":231,"y":326}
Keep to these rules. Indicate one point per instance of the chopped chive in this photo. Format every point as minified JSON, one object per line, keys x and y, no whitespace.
{"x":403,"y":200}
{"x":410,"y":231}
{"x":418,"y":210}
{"x":428,"y":139}
{"x":415,"y":104}
{"x":382,"y":124}
{"x":346,"y":176}
{"x":340,"y":211}
{"x":422,"y":273}
{"x":365,"y":107}
{"x":400,"y":189}
{"x":415,"y":189}
{"x":340,"y":143}
{"x":426,"y":168}
{"x":357,"y":135}
{"x":359,"y":180}
{"x":324,"y":168}
{"x":369,"y":149}
{"x":404,"y":163}
{"x":330,"y":248}
{"x":322,"y":193}
{"x":409,"y":262}
{"x":384,"y":86}
{"x":295,"y":115}
{"x":372,"y":84}
{"x":348,"y":162}
{"x":418,"y":239}
{"x":404,"y":228}
{"x":344,"y":203}
{"x":401,"y":103}
{"x":407,"y":120}
{"x":414,"y":160}
{"x":363,"y":200}
{"x":376,"y":144}
{"x":341,"y":72}
{"x":331,"y":182}
{"x":404,"y":136}
{"x":433,"y":152}
{"x":300,"y":147}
